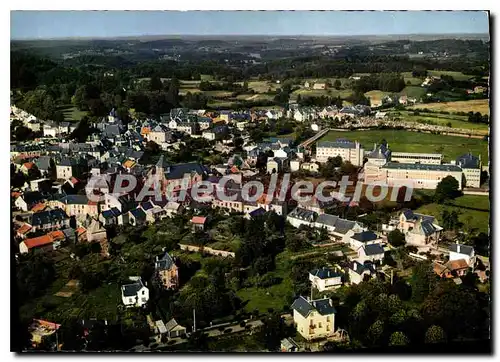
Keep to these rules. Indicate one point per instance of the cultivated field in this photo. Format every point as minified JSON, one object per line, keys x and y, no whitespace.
{"x":476,"y":105}
{"x":376,"y":95}
{"x":406,"y":141}
{"x":413,"y":92}
{"x":455,"y":75}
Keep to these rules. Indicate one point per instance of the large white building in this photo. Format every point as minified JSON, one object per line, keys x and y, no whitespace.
{"x":349,"y":151}
{"x":418,"y":176}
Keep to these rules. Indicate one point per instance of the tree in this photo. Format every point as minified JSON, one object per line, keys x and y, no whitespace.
{"x":71,"y":336}
{"x":156,"y":83}
{"x":396,"y":238}
{"x":375,"y":332}
{"x":422,"y":281}
{"x":398,"y":339}
{"x":447,"y":188}
{"x":435,"y":334}
{"x":337,"y":84}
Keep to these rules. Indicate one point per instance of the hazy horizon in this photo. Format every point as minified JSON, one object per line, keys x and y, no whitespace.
{"x":54,"y":25}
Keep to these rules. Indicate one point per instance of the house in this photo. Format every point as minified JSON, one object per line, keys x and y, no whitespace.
{"x":47,"y":242}
{"x":174,"y":329}
{"x":135,"y":294}
{"x":79,"y":205}
{"x":49,"y":220}
{"x":110,"y":216}
{"x":96,"y":232}
{"x":361,"y":239}
{"x":66,"y":168}
{"x":198,"y":223}
{"x":419,"y":229}
{"x":462,"y":252}
{"x":28,"y":199}
{"x":167,"y":272}
{"x":372,"y":252}
{"x":173,"y":208}
{"x":136,"y":216}
{"x":289,"y":345}
{"x":277,"y":164}
{"x":325,"y":279}
{"x":452,"y":269}
{"x":359,"y":272}
{"x":314,"y":319}
{"x":300,"y":216}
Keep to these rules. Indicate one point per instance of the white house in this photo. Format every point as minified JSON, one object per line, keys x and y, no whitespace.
{"x":361,"y":239}
{"x":301,"y":216}
{"x":372,"y":252}
{"x":314,"y":318}
{"x":325,"y":279}
{"x":135,"y":294}
{"x":465,"y":252}
{"x":358,"y":272}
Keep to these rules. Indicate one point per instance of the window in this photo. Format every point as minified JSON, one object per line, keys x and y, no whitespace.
{"x":319,"y":325}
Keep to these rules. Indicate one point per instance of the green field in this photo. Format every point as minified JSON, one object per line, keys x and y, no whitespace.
{"x":455,"y":75}
{"x":263,"y":86}
{"x":331,"y":92}
{"x":71,"y":113}
{"x":408,"y":77}
{"x":413,"y":92}
{"x":407,"y":141}
{"x":477,"y":218}
{"x":443,"y":119}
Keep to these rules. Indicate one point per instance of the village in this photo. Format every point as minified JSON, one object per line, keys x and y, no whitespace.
{"x":344,"y":242}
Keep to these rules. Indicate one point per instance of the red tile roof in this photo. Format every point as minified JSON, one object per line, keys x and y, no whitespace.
{"x":457,"y":264}
{"x":57,"y":235}
{"x":38,"y":241}
{"x":38,"y":207}
{"x":24,"y":229}
{"x":198,"y":220}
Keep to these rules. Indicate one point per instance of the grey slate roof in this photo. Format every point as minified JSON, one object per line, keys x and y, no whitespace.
{"x":360,"y":268}
{"x":373,"y":249}
{"x":419,"y":166}
{"x":365,"y":236}
{"x":130,"y":290}
{"x":464,"y":249}
{"x":342,"y":226}
{"x":303,"y":214}
{"x":468,"y":161}
{"x":47,"y":217}
{"x":304,"y":307}
{"x":327,"y":219}
{"x":325,"y":273}
{"x":165,"y":263}
{"x":75,"y":200}
{"x":340,"y":143}
{"x":178,"y":171}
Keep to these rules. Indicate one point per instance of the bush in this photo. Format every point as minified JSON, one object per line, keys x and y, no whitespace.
{"x":243,"y":324}
{"x":229,"y":330}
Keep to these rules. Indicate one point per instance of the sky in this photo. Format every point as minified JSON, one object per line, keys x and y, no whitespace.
{"x":61,"y":24}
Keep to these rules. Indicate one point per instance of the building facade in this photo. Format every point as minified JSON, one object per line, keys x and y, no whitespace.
{"x":349,"y":151}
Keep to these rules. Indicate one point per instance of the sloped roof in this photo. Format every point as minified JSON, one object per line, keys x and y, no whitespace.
{"x":304,"y":307}
{"x":457,"y":264}
{"x":373,"y":249}
{"x":327,"y":219}
{"x":464,"y":249}
{"x":198,"y":220}
{"x":166,"y":262}
{"x":365,"y":236}
{"x":325,"y":273}
{"x":130,"y":290}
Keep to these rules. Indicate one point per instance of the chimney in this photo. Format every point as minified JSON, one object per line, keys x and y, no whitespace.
{"x":374,"y":146}
{"x":458,"y":248}
{"x":331,"y":303}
